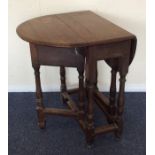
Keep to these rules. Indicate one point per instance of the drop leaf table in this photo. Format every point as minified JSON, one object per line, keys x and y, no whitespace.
{"x":80,"y":39}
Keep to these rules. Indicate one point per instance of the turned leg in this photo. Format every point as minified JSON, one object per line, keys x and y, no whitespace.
{"x":112,"y":98}
{"x":90,"y":117}
{"x":120,"y":105}
{"x":63,"y":81}
{"x":91,"y":82}
{"x":96,"y":74}
{"x":63,"y":78}
{"x":81,"y":94}
{"x":39,"y":100}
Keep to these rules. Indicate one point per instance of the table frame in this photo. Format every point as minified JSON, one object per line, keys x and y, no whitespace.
{"x":117,"y":56}
{"x":43,"y":55}
{"x":118,"y":53}
{"x":92,"y":39}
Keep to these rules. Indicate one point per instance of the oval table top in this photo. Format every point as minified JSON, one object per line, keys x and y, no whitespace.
{"x":75,"y":29}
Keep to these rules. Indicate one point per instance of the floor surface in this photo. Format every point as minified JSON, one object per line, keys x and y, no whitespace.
{"x":63,"y":136}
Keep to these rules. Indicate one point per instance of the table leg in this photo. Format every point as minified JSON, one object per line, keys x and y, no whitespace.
{"x":123,"y":69}
{"x":112,"y":98}
{"x":120,"y":105}
{"x":91,"y":81}
{"x":63,"y":78}
{"x":90,"y":115}
{"x":81,"y":93}
{"x":96,"y":74}
{"x":39,"y":100}
{"x":63,"y":81}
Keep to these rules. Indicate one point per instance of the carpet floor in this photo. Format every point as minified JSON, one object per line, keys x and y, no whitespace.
{"x":63,"y":136}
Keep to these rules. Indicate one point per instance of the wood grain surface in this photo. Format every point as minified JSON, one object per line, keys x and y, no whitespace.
{"x":75,"y":29}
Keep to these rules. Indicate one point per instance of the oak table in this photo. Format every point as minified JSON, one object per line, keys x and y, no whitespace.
{"x":94,"y":38}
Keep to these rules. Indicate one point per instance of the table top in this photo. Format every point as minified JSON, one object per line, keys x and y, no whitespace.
{"x":75,"y":29}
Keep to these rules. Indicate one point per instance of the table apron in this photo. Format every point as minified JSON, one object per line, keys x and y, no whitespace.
{"x":113,"y":50}
{"x":55,"y":56}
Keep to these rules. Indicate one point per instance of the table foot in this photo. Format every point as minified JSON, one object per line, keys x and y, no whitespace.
{"x":42,"y":125}
{"x":41,"y":117}
{"x":90,"y":130}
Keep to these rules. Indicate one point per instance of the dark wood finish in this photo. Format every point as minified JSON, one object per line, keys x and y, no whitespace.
{"x":63,"y":82}
{"x":123,"y":70}
{"x":71,"y":30}
{"x":61,"y":112}
{"x":55,"y":56}
{"x":42,"y":55}
{"x":63,"y":79}
{"x":81,"y":93}
{"x":112,"y":98}
{"x":39,"y":96}
{"x":120,"y":53}
{"x":70,"y":40}
{"x":120,"y":103}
